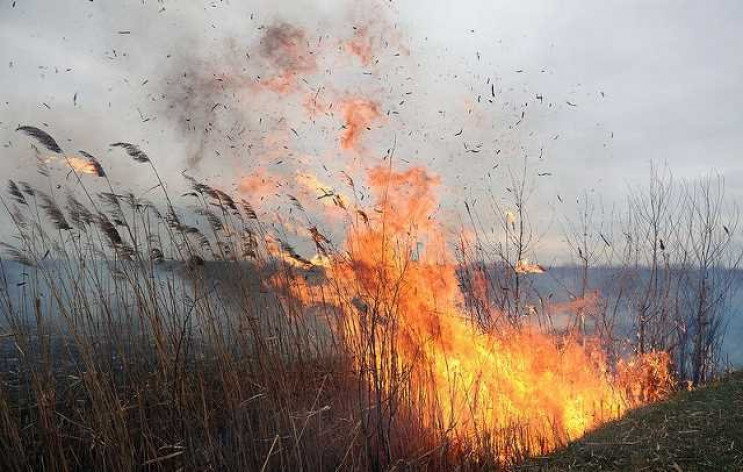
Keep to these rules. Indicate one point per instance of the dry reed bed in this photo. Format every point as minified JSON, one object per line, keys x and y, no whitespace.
{"x":145,"y":336}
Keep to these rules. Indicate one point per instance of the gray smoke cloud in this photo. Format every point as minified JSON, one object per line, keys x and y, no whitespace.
{"x":589,"y":92}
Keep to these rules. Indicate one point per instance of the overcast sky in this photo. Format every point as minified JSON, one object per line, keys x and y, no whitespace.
{"x":606,"y":87}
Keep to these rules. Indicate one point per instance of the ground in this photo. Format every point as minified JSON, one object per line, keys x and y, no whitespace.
{"x":700,"y":430}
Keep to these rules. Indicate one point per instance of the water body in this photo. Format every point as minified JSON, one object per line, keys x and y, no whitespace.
{"x":237,"y":292}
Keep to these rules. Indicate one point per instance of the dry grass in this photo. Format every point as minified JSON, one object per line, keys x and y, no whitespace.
{"x":140,"y":336}
{"x":146,"y":338}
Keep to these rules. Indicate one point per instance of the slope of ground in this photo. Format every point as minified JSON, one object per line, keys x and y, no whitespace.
{"x":700,"y":430}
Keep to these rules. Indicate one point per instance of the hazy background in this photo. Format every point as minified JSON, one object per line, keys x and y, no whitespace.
{"x":621,"y":83}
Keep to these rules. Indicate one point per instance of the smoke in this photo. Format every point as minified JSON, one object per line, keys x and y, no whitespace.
{"x":280,"y":99}
{"x":285,"y":47}
{"x":203,"y":105}
{"x":215,"y":102}
{"x":223,"y":90}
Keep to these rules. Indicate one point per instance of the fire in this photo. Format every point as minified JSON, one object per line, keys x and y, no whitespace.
{"x":361,"y":46}
{"x":319,"y":260}
{"x":403,"y":317}
{"x":524,"y":267}
{"x":358,"y":114}
{"x":323,"y":192}
{"x":405,"y":306}
{"x":259,"y":182}
{"x":82,"y":166}
{"x":478,"y":381}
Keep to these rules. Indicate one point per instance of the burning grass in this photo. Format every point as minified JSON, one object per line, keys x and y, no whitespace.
{"x":190,"y":334}
{"x":146,"y":337}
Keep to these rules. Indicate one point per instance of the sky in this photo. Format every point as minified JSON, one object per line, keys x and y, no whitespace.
{"x":604,"y":87}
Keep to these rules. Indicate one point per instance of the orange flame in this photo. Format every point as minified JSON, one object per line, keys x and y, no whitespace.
{"x":481,"y":381}
{"x":82,"y":166}
{"x":258,"y":183}
{"x":361,"y":46}
{"x":464,"y":380}
{"x":524,"y":267}
{"x":395,"y":284}
{"x":358,"y":114}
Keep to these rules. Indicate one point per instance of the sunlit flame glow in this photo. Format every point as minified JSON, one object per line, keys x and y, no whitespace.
{"x":82,"y":166}
{"x":525,"y":267}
